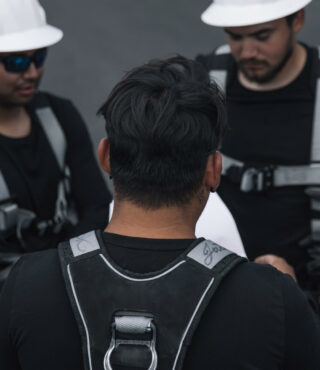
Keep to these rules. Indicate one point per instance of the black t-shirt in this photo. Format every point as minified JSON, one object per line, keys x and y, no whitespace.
{"x":32,"y":174}
{"x":271,"y":127}
{"x":258,"y":318}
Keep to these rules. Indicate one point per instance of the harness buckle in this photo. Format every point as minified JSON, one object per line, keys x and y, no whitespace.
{"x":132,"y":334}
{"x":313,"y":192}
{"x":257,"y":179}
{"x":8,"y":216}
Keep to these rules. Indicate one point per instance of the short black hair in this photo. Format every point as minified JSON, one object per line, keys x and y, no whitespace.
{"x":290,"y":18}
{"x":163,"y":119}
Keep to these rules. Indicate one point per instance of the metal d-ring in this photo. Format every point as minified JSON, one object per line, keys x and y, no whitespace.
{"x":151,"y":345}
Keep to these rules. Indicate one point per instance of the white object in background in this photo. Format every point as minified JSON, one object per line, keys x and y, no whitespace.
{"x":217,"y":224}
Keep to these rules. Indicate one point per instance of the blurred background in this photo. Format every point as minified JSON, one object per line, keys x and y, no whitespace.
{"x":105,"y":38}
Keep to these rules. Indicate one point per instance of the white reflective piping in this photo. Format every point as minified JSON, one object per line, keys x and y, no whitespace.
{"x":82,"y":318}
{"x":220,"y":78}
{"x":140,"y":280}
{"x":4,"y":191}
{"x":315,"y":147}
{"x":190,"y":322}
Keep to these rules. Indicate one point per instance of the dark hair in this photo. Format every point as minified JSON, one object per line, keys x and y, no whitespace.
{"x":290,"y":18}
{"x":163,"y":119}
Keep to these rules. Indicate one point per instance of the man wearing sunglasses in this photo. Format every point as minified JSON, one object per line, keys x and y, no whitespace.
{"x":50,"y":185}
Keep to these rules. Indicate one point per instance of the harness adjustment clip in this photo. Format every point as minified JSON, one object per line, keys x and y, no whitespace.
{"x":8,"y":216}
{"x":257,"y":179}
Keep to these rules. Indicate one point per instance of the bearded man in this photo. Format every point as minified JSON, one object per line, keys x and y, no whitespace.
{"x":271,"y":153}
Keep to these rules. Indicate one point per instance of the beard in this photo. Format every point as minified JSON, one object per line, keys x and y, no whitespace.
{"x":272,"y":71}
{"x":14,"y":99}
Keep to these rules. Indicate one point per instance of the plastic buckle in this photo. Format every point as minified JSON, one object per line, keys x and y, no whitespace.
{"x":257,"y":179}
{"x":313,"y":192}
{"x":8,"y":216}
{"x":130,"y":328}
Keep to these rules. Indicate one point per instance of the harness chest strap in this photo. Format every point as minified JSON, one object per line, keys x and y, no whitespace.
{"x":102,"y":294}
{"x":304,"y":175}
{"x":315,"y":146}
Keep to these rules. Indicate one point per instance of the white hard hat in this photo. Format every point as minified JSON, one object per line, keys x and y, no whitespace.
{"x":237,"y":13}
{"x":23,"y":26}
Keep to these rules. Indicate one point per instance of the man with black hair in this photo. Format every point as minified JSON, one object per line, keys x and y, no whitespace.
{"x":50,"y":185}
{"x":146,"y":293}
{"x":271,"y":154}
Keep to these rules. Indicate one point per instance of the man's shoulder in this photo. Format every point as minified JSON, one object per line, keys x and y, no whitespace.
{"x":259,"y":276}
{"x":39,"y":264}
{"x":259,"y":292}
{"x":261,"y":286}
{"x":219,"y":58}
{"x":35,"y":274}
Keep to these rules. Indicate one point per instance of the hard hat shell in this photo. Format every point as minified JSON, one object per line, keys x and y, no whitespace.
{"x":238,"y":13}
{"x":23,"y":26}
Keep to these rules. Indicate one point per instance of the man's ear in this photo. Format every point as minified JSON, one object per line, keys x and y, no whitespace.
{"x":299,"y":21}
{"x":104,"y":155}
{"x":213,"y":171}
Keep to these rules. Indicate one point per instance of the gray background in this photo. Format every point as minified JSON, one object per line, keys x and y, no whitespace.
{"x":105,"y":38}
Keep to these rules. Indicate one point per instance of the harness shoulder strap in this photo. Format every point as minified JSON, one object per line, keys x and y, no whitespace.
{"x":58,"y":143}
{"x":315,"y":146}
{"x":4,"y":191}
{"x":219,"y":71}
{"x":218,"y":64}
{"x":312,"y":241}
{"x":218,"y":262}
{"x":52,"y":129}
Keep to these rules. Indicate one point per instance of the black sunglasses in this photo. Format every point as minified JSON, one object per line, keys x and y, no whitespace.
{"x":19,"y":63}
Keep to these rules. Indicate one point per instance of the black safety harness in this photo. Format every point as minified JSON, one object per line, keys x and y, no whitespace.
{"x":140,"y":321}
{"x":261,"y":178}
{"x":14,"y":219}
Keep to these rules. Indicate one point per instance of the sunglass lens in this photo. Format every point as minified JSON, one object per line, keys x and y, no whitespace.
{"x":17,"y":64}
{"x":39,"y":58}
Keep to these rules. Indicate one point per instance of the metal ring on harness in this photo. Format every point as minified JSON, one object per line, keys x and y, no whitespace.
{"x":132,"y":324}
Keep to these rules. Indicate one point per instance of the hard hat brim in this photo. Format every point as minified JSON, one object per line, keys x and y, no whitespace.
{"x":250,"y":14}
{"x":30,"y":39}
